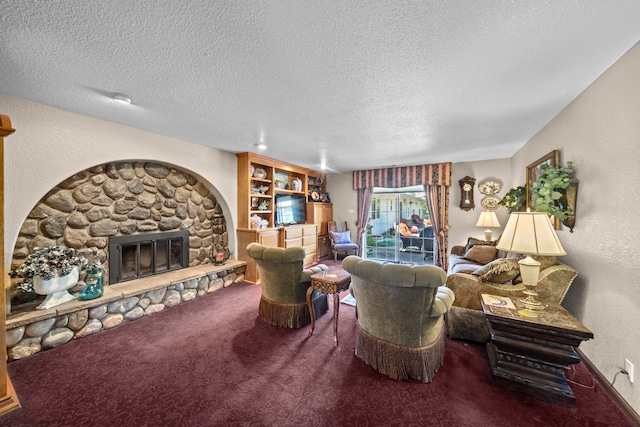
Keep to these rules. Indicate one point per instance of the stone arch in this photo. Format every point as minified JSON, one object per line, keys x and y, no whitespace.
{"x":123,"y":198}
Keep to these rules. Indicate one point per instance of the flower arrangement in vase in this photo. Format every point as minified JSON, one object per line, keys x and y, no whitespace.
{"x":50,"y":271}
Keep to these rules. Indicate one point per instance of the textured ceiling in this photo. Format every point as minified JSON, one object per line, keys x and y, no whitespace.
{"x":355,"y":84}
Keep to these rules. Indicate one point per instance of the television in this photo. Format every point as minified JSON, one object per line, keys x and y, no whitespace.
{"x":291,"y":209}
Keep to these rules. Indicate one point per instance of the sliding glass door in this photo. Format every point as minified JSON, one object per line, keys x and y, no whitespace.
{"x":399,"y":227}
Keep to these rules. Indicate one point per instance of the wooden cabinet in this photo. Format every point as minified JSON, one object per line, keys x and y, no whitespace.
{"x":297,"y":236}
{"x":304,"y":236}
{"x":324,"y":247}
{"x":264,"y":236}
{"x":319,"y":214}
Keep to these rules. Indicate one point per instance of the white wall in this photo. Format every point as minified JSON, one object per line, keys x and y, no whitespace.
{"x":344,"y":199}
{"x":600,"y":132}
{"x":49,"y":145}
{"x":463,"y":223}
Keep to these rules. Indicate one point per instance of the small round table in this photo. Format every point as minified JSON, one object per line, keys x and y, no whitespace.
{"x":328,"y":282}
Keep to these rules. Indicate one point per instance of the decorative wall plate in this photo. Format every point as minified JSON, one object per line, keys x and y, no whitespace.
{"x":489,"y":188}
{"x":315,"y":196}
{"x":323,"y":198}
{"x":260,"y":173}
{"x":490,"y":203}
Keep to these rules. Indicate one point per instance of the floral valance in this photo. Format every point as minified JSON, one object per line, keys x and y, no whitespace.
{"x":405,"y":176}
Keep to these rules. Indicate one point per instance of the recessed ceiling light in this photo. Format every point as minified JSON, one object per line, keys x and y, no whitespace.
{"x":121,"y":98}
{"x":261,"y":146}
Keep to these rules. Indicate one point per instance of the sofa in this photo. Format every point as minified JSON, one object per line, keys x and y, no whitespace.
{"x":479,"y":267}
{"x":400,"y":329}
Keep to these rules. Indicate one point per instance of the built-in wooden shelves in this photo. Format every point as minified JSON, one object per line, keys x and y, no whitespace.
{"x":260,"y":180}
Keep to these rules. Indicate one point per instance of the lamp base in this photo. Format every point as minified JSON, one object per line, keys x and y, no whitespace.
{"x":488,"y":234}
{"x":530,"y":304}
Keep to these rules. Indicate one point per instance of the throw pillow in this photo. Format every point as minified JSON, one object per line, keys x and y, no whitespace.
{"x":340,"y":237}
{"x":481,"y":254}
{"x":545,"y":261}
{"x":501,"y":270}
{"x":472,"y":241}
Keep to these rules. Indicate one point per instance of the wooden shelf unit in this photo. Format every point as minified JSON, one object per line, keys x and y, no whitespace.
{"x":279,"y":178}
{"x":254,"y":190}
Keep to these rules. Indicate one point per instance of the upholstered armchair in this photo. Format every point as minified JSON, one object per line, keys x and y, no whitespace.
{"x":284,"y":286}
{"x":340,"y":238}
{"x":400,"y":329}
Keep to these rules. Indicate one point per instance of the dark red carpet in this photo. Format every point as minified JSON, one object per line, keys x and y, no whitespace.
{"x":213,"y":362}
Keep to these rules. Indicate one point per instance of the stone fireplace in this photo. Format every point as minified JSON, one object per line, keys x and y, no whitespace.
{"x":121,"y":200}
{"x":164,"y":220}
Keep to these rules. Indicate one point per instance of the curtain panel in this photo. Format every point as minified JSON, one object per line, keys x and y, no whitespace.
{"x":435,"y":178}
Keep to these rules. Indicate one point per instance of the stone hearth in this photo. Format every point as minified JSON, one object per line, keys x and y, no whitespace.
{"x":32,"y":331}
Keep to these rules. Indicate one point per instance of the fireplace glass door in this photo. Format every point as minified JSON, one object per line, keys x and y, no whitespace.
{"x":131,"y":257}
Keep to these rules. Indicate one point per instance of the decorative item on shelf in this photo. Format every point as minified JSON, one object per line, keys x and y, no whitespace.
{"x":252,"y":170}
{"x":490,"y":203}
{"x":530,"y":233}
{"x":515,"y":199}
{"x":323,"y":198}
{"x":555,"y":192}
{"x":50,"y":271}
{"x":489,"y":188}
{"x":327,"y":198}
{"x":263,"y":205}
{"x":296,"y":184}
{"x":488,"y":220}
{"x":264,"y":189}
{"x":255,"y":221}
{"x":255,"y":190}
{"x":94,"y":287}
{"x":315,"y":196}
{"x":93,"y":282}
{"x":264,"y":223}
{"x":260,"y":173}
{"x":217,"y":256}
{"x":466,"y":193}
{"x":254,"y":203}
{"x":281,"y":180}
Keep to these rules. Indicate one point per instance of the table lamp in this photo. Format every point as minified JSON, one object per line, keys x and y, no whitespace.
{"x":530,"y":233}
{"x":489,"y":220}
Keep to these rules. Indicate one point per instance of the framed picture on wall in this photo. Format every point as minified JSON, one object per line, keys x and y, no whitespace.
{"x":533,"y":171}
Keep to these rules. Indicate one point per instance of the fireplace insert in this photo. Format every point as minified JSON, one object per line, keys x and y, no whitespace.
{"x":141,"y":255}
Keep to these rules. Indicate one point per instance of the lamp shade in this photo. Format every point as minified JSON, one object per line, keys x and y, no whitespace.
{"x":488,"y":219}
{"x":530,"y":233}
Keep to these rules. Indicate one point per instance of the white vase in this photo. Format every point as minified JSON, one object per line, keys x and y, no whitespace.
{"x":56,"y":288}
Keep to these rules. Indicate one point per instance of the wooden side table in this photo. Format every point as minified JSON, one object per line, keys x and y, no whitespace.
{"x":328,"y":282}
{"x":534,"y":351}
